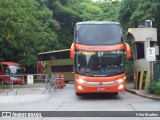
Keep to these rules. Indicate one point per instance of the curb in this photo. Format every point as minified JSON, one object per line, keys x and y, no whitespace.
{"x":142,"y":95}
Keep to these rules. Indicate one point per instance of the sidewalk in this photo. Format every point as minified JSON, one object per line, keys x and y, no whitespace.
{"x":144,"y":93}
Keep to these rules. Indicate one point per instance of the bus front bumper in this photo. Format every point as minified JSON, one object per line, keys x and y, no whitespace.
{"x":99,"y":87}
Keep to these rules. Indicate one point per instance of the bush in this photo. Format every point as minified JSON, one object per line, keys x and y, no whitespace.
{"x":155,"y":87}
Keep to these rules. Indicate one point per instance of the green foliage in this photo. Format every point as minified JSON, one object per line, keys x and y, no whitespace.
{"x":32,"y":26}
{"x":24,"y":30}
{"x":155,"y":87}
{"x":91,"y":11}
{"x":109,"y":9}
{"x":147,"y":9}
{"x":66,"y":13}
{"x":125,"y":11}
{"x":5,"y":87}
{"x":132,"y":13}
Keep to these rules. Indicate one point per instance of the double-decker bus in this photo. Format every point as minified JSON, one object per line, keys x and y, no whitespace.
{"x":99,"y":57}
{"x":58,"y":61}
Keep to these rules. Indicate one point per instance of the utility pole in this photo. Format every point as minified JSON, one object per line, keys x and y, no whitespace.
{"x":151,"y":56}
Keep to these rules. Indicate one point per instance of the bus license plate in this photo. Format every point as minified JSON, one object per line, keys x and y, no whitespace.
{"x":101,"y":89}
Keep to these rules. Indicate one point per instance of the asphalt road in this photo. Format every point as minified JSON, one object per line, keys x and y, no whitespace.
{"x":66,"y":100}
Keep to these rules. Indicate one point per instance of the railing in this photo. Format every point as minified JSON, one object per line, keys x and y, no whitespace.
{"x":54,"y":81}
{"x":35,"y":83}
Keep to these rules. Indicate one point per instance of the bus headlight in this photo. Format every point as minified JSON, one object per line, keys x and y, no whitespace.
{"x":120,"y":87}
{"x":81,"y":81}
{"x":120,"y":80}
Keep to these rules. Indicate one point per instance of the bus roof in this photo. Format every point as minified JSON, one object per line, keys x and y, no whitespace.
{"x":97,"y":22}
{"x":10,"y":63}
{"x":54,"y":51}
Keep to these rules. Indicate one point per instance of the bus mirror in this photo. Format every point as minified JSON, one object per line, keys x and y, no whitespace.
{"x":128,"y":50}
{"x":72,"y":51}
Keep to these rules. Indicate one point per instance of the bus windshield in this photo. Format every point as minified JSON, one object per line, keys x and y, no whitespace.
{"x":99,"y":63}
{"x":98,"y":34}
{"x":16,"y":70}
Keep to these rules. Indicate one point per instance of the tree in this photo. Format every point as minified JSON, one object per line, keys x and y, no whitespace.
{"x":147,"y":9}
{"x":109,"y":8}
{"x":66,"y":13}
{"x":91,"y":11}
{"x":25,"y":30}
{"x":125,"y":11}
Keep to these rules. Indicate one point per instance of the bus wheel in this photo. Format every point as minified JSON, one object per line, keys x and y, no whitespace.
{"x":79,"y":94}
{"x":115,"y":93}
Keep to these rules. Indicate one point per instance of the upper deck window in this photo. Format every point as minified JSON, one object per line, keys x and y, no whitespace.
{"x":54,"y":55}
{"x":98,"y":34}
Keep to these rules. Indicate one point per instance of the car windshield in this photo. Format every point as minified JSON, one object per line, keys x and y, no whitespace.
{"x":16,"y":70}
{"x":99,"y":63}
{"x":98,"y":34}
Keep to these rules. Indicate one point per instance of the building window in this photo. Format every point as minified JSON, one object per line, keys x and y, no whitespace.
{"x":139,"y":50}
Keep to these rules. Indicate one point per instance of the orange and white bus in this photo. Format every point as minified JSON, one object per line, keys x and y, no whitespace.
{"x":99,"y":57}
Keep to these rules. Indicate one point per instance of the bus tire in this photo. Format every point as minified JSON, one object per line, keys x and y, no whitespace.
{"x":79,"y":94}
{"x":115,"y":93}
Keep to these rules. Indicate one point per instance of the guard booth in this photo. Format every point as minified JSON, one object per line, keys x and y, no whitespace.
{"x":144,"y":41}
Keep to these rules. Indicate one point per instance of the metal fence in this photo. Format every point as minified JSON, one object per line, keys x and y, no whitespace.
{"x":31,"y":83}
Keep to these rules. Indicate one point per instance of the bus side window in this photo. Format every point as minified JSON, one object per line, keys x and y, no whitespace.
{"x":6,"y":71}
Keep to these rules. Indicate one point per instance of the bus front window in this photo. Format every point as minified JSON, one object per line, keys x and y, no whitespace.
{"x":16,"y":70}
{"x":99,"y":63}
{"x":98,"y":34}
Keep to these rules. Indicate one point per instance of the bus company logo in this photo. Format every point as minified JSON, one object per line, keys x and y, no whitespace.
{"x":6,"y":114}
{"x":100,"y":83}
{"x":98,"y":48}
